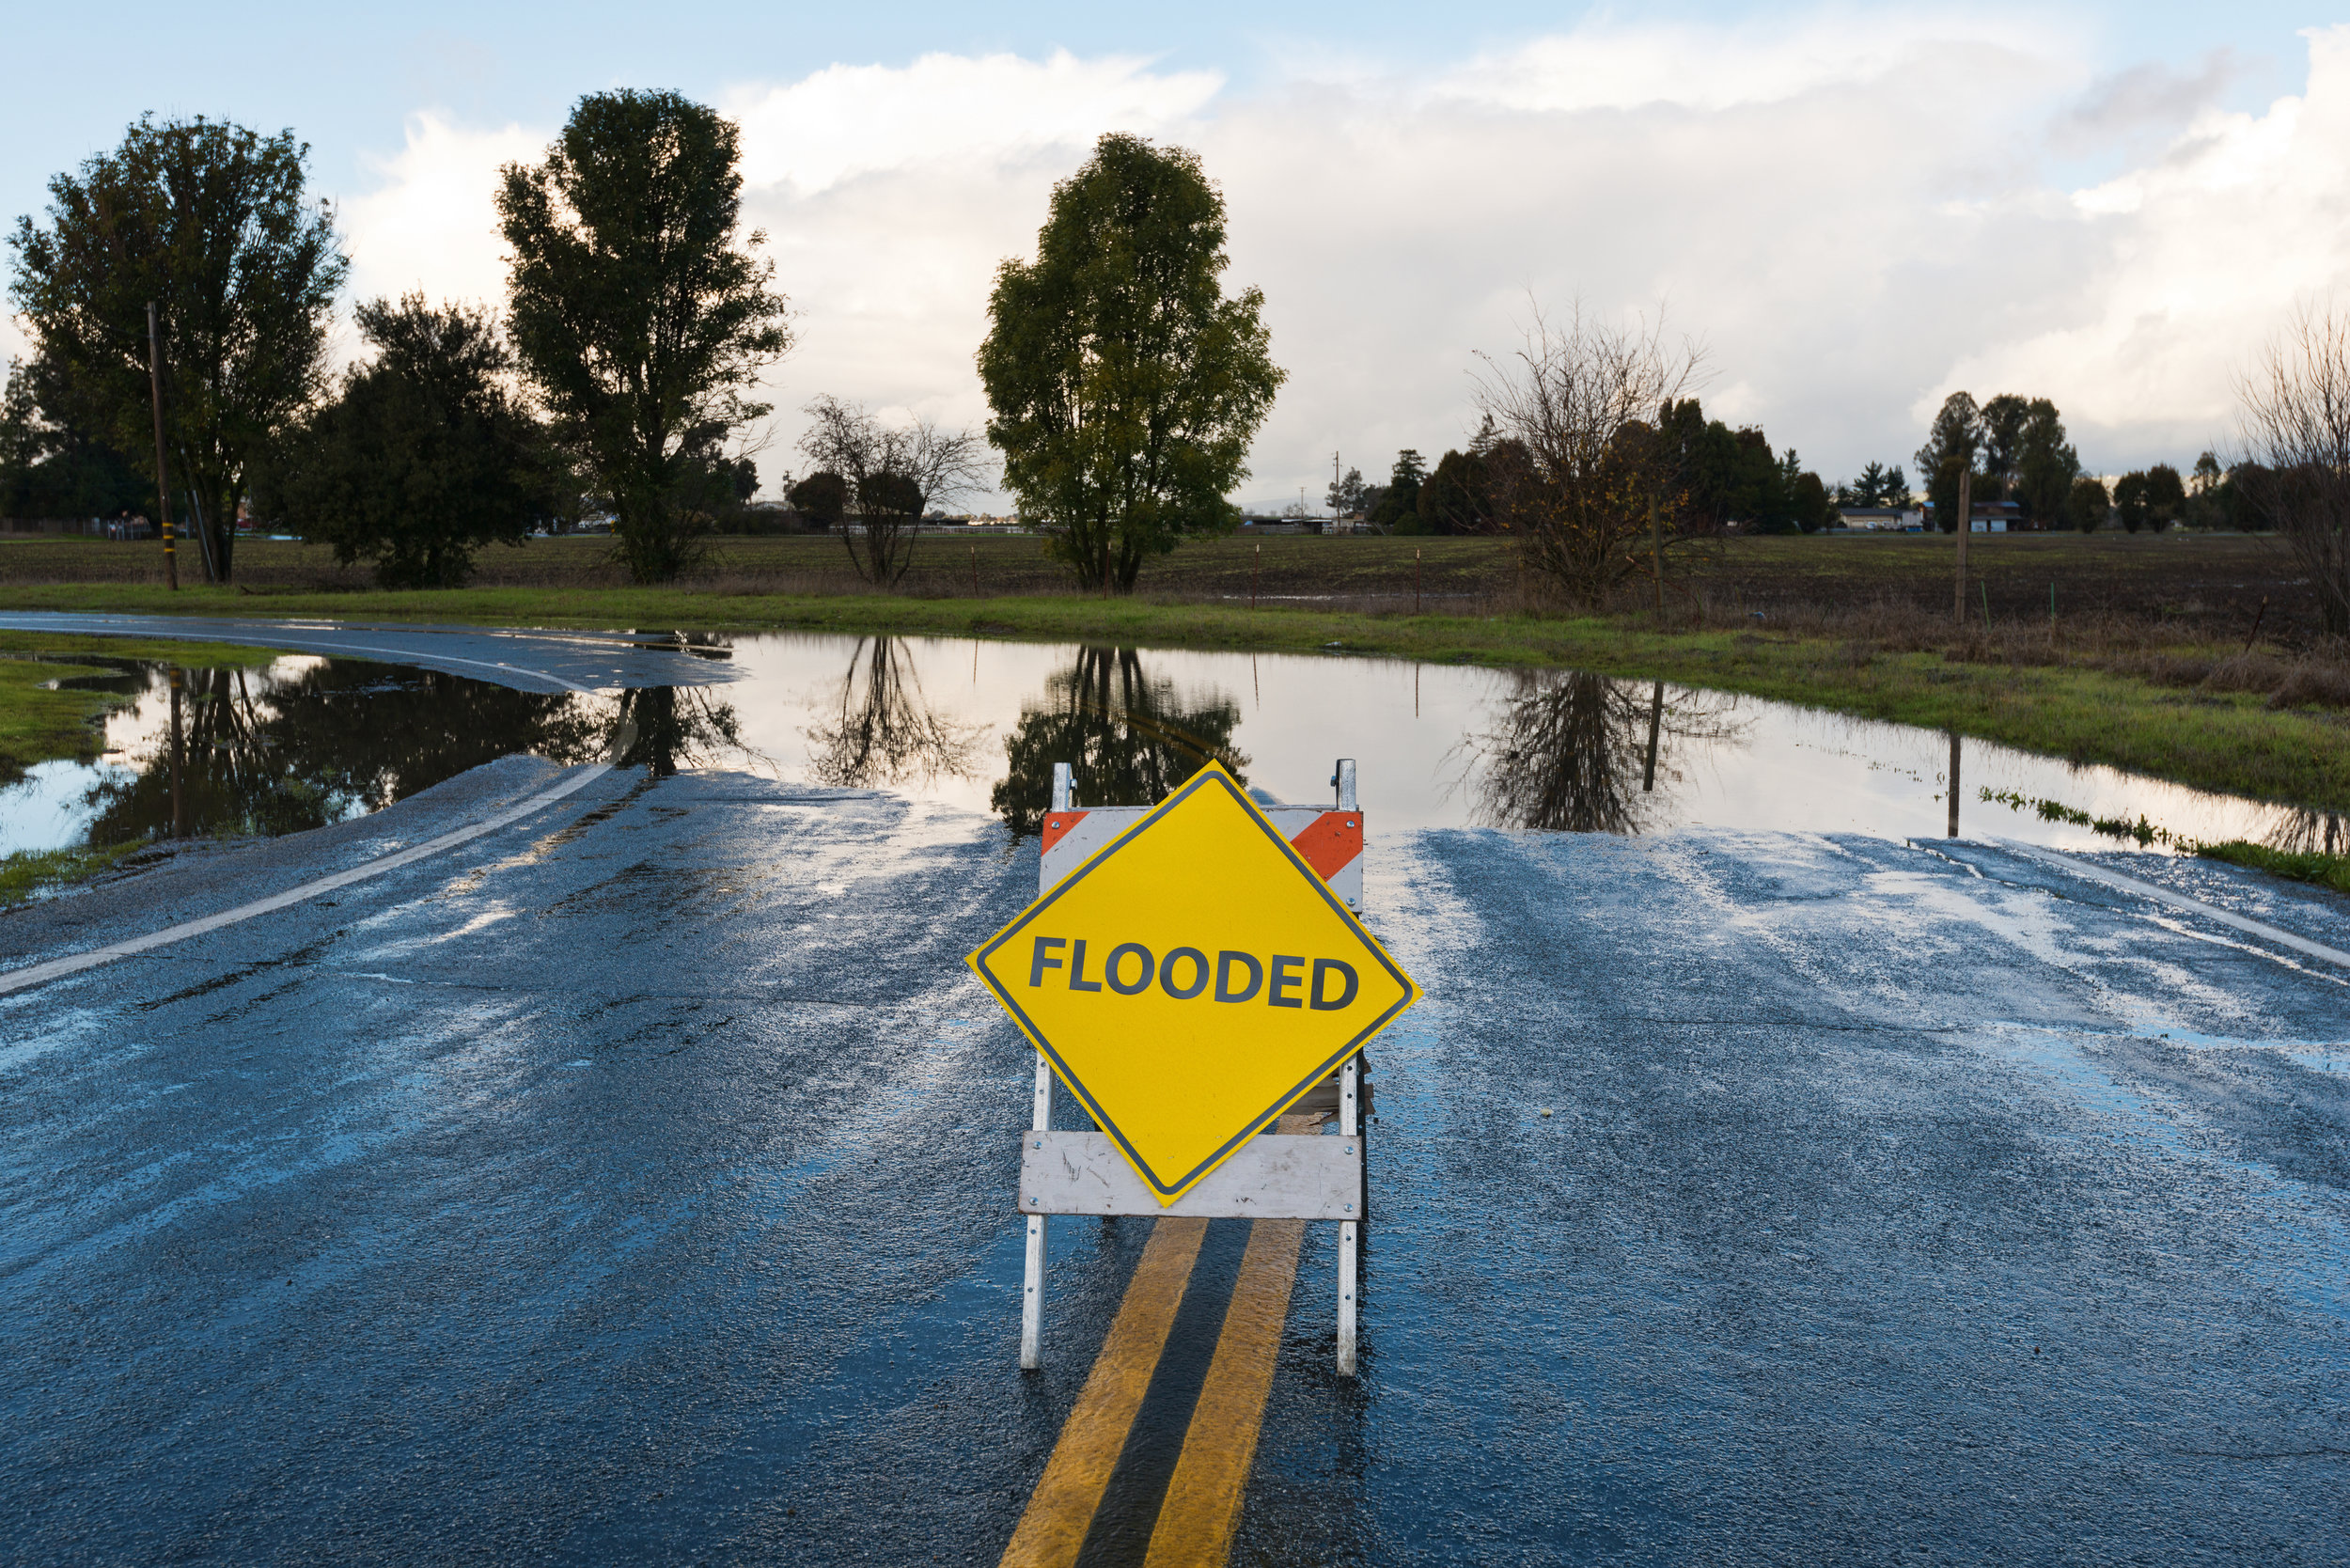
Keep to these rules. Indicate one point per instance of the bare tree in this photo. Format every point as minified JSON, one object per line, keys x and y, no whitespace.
{"x":2296,"y":430}
{"x":893,"y":476}
{"x":1577,"y":468}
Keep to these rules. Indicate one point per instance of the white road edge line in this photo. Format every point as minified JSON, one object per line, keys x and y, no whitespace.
{"x":2179,"y":901}
{"x":36,"y":974}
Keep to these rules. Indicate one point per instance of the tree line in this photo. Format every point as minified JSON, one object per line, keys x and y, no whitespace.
{"x":182,"y":285}
{"x":2013,"y":451}
{"x":179,"y":291}
{"x":1720,"y":479}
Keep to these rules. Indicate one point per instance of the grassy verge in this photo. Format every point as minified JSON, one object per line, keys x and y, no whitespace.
{"x":2325,"y":871}
{"x":27,"y":877}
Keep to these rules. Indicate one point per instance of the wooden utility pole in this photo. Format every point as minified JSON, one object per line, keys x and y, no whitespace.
{"x":1416,"y":582}
{"x":1656,"y":554}
{"x":163,"y":481}
{"x":1965,"y":526}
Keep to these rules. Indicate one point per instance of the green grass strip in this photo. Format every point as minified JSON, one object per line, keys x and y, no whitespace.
{"x":37,"y":873}
{"x":2310,"y":866}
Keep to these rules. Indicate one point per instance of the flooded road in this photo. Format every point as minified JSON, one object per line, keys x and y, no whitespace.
{"x":635,"y":1181}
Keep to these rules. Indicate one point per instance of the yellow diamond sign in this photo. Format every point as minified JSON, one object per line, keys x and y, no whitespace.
{"x":1192,"y":980}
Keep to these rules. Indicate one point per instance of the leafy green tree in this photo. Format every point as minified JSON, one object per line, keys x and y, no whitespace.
{"x":1950,"y":448}
{"x":1719,"y":476}
{"x":423,"y":459}
{"x":212,"y":223}
{"x":1124,"y":387}
{"x":2002,"y":423}
{"x":2204,"y":508}
{"x":1456,"y":497}
{"x":1345,"y":496}
{"x":1868,"y":489}
{"x":1895,"y":491}
{"x":49,"y":468}
{"x":2166,"y":496}
{"x":2045,"y":464}
{"x":1400,"y":497}
{"x":2129,"y":501}
{"x":822,"y":497}
{"x":639,"y":310}
{"x":2238,"y":496}
{"x":2087,"y":506}
{"x":1808,"y":500}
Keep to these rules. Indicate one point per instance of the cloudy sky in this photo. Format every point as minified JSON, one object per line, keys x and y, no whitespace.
{"x":1855,"y":209}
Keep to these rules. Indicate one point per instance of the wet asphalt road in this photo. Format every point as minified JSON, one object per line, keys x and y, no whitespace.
{"x":632,"y":1185}
{"x":529,"y":659}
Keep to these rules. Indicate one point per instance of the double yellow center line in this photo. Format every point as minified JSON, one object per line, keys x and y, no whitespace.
{"x":1202,"y":1503}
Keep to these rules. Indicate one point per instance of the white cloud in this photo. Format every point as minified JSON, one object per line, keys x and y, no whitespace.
{"x":1856,"y":212}
{"x":2197,"y":257}
{"x":429,"y":223}
{"x":848,"y":120}
{"x":1607,"y":64}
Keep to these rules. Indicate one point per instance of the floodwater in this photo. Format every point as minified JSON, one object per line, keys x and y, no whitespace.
{"x":308,"y":741}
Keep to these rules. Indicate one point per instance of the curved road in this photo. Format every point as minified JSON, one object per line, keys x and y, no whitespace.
{"x":633,"y":1183}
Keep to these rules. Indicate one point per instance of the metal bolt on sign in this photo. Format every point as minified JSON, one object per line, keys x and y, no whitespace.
{"x":1192,"y":971}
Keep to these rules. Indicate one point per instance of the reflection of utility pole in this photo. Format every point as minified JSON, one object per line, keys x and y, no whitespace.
{"x":1656,"y":719}
{"x":179,"y":801}
{"x":1954,"y":778}
{"x":163,"y":481}
{"x":1958,"y":592}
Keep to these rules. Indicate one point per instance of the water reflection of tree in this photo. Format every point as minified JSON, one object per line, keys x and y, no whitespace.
{"x":278,"y":756}
{"x":884,"y":732}
{"x":662,"y":728}
{"x":2307,"y":831}
{"x":1570,"y":752}
{"x":1129,"y":739}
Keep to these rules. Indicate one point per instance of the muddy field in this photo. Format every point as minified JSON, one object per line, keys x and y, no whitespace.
{"x":2208,"y":582}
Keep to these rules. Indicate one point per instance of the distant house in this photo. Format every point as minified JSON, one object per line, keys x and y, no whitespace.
{"x":1998,"y":517}
{"x":1898,"y":519}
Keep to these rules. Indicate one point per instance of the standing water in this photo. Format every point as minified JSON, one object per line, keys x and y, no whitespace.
{"x":979,"y":724}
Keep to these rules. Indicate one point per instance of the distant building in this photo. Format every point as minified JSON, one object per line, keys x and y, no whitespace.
{"x":1898,"y":519}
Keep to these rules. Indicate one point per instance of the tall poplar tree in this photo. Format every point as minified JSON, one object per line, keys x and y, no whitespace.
{"x":1125,"y":387}
{"x":641,"y":312}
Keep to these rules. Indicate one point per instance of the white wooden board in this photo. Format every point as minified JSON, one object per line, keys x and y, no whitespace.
{"x":1273,"y":1176}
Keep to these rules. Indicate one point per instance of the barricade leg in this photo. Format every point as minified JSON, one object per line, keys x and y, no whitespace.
{"x":1350,"y":1125}
{"x":1032,"y":1290}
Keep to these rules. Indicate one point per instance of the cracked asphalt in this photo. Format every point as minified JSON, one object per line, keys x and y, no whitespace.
{"x":633,"y":1183}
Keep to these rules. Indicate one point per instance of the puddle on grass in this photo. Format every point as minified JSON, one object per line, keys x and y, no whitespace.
{"x":979,"y":726}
